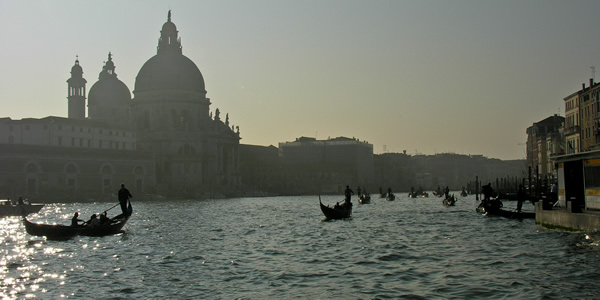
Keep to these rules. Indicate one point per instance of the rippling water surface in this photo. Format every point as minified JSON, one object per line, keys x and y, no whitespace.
{"x":280,"y":247}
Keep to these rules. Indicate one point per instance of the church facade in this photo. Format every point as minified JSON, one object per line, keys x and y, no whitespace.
{"x":165,"y":137}
{"x":194,"y":152}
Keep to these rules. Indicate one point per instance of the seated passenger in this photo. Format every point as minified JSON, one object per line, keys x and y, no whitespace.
{"x":75,"y":220}
{"x":103,"y":218}
{"x":94,"y":221}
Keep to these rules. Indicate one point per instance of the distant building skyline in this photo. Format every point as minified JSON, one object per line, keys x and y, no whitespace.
{"x":422,"y":76}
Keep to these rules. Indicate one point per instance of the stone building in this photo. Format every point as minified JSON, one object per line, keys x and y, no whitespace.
{"x":317,"y":166}
{"x":572,"y":128}
{"x":544,"y":140}
{"x":588,"y":112}
{"x":163,"y":141}
{"x":582,"y":119}
{"x":194,"y":151}
{"x":64,"y":159}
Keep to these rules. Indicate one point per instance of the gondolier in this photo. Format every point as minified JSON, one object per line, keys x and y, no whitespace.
{"x":124,"y":195}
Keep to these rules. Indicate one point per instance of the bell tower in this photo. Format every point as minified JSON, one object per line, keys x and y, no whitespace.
{"x":76,"y":92}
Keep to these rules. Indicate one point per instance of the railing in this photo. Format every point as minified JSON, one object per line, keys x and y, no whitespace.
{"x":572,"y":130}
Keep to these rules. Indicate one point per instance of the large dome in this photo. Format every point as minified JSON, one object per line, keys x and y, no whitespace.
{"x":169,"y":71}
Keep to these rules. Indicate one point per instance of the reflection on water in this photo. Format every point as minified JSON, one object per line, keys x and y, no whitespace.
{"x":279,"y":247}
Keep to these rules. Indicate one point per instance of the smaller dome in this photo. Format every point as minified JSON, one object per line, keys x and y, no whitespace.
{"x":109,"y":91}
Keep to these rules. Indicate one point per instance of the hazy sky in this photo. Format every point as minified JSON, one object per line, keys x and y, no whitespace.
{"x":427,"y":77}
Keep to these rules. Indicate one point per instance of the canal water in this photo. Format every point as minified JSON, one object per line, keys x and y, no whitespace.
{"x":280,"y":247}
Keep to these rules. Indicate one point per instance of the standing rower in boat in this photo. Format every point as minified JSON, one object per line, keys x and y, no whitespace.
{"x":520,"y":198}
{"x":348,"y":193}
{"x":124,"y":195}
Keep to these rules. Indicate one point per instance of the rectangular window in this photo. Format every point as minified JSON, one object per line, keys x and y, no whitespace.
{"x":592,"y":176}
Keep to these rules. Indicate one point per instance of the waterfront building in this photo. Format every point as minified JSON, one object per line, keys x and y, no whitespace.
{"x":260,"y":170}
{"x":327,"y":165}
{"x":174,"y":144}
{"x":195,"y":152}
{"x":69,"y":159}
{"x":572,"y":126}
{"x":544,"y":139}
{"x":578,"y":194}
{"x":589,"y":116}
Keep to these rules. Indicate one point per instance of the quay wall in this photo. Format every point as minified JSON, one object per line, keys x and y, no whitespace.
{"x":563,"y":218}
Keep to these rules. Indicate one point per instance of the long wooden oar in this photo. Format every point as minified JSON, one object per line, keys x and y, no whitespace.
{"x":112,"y":207}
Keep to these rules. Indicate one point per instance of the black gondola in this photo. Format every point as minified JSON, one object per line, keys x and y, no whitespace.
{"x":342,"y":212}
{"x":450,"y":201}
{"x":364,"y":199}
{"x":64,"y":232}
{"x":490,"y":208}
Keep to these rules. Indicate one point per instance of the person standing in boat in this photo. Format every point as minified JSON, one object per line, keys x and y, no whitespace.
{"x":446,"y":192}
{"x":124,"y":195}
{"x":348,"y":193}
{"x":520,"y":198}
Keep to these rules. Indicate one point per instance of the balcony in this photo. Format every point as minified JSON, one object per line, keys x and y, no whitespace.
{"x":572,"y":130}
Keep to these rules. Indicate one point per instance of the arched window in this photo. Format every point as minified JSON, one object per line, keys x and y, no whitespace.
{"x":186,"y":150}
{"x":31,"y":168}
{"x":106,"y":170}
{"x":138,"y":171}
{"x":70,"y":169}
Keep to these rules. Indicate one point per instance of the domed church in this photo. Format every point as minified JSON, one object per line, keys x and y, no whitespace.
{"x":109,"y":99}
{"x":195,"y":152}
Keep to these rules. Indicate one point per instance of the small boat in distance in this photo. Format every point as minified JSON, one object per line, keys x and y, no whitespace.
{"x":9,"y":209}
{"x":337,"y":212}
{"x":450,"y":201}
{"x":364,"y":199}
{"x":64,"y":232}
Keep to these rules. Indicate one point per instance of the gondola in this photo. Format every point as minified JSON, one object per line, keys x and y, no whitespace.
{"x":64,"y":232}
{"x":364,"y":199}
{"x":498,"y":211}
{"x":7,"y":209}
{"x":335,"y":213}
{"x":449,"y":201}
